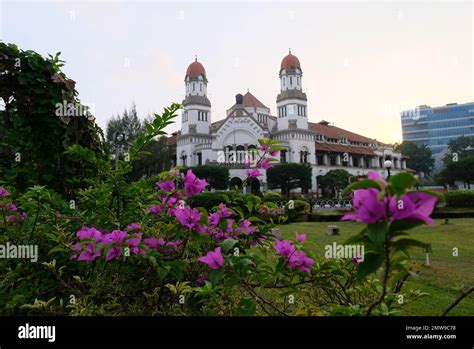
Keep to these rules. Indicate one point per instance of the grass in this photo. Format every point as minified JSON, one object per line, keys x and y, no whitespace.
{"x":442,"y":280}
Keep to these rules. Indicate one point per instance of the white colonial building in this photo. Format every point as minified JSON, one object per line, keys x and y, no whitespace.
{"x":325,"y":147}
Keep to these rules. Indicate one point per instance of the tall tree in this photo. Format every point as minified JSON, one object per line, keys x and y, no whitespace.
{"x":459,"y":148}
{"x":420,"y":157}
{"x":289,"y":176}
{"x":128,"y":123}
{"x":335,"y":180}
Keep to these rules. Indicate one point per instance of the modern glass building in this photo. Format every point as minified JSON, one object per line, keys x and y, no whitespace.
{"x":437,"y":126}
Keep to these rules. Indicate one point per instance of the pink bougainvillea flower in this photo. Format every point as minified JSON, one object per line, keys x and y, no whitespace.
{"x":23,"y":216}
{"x":187,"y":216}
{"x":11,"y":218}
{"x":214,"y":218}
{"x":224,"y":211}
{"x":153,"y":243}
{"x":113,"y":253}
{"x":413,"y":206}
{"x":116,"y":236}
{"x":301,"y":238}
{"x":175,"y":244}
{"x":4,"y":192}
{"x":357,"y":260}
{"x":254,"y":172}
{"x":89,"y":233}
{"x":134,"y":226}
{"x":230,"y":225}
{"x":368,"y":208}
{"x":300,"y":261}
{"x":167,"y":186}
{"x":284,"y":248}
{"x":193,"y":185}
{"x":213,"y":259}
{"x":265,"y":164}
{"x":273,"y":153}
{"x":134,"y":242}
{"x":155,"y":209}
{"x":264,"y":147}
{"x":89,"y":254}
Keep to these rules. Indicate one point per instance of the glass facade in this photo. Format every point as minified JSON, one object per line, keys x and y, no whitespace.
{"x":437,"y":126}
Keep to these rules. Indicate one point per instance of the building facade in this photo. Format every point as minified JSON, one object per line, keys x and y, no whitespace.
{"x":437,"y":126}
{"x":323,"y":146}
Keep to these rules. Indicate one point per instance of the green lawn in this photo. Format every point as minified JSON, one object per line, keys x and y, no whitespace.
{"x":441,"y":279}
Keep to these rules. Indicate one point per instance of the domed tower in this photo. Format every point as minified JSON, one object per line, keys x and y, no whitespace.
{"x":197,"y":107}
{"x":291,"y":101}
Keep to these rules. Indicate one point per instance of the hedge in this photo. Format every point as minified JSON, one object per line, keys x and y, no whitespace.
{"x":459,"y":198}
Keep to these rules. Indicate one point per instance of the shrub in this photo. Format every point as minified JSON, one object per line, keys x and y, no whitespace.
{"x":296,"y":210}
{"x":459,"y":198}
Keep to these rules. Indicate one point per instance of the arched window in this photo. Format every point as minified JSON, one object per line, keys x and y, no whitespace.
{"x":291,"y":80}
{"x":304,"y":155}
{"x":184,"y":158}
{"x":240,"y":154}
{"x":252,"y":149}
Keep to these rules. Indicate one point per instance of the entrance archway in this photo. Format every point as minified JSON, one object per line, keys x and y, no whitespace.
{"x":235,"y":182}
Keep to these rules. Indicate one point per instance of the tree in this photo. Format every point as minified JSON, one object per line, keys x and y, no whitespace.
{"x":335,"y":180}
{"x":419,"y":157}
{"x":459,"y":148}
{"x":129,"y":123}
{"x":216,"y":176}
{"x":40,"y":119}
{"x":460,"y":170}
{"x":289,"y":176}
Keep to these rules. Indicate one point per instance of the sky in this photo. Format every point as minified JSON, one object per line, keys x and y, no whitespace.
{"x":363,"y":62}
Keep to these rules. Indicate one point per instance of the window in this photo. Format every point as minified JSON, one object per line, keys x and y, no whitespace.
{"x":202,"y":115}
{"x":298,"y":80}
{"x":320,"y":160}
{"x":194,"y":86}
{"x":200,"y":86}
{"x":291,"y":80}
{"x":332,"y":161}
{"x":282,"y":112}
{"x":283,"y":156}
{"x":304,"y":156}
{"x":185,"y":116}
{"x":199,"y":159}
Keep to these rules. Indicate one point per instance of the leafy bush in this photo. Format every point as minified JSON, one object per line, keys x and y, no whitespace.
{"x":459,"y":198}
{"x":295,"y":209}
{"x":41,"y":119}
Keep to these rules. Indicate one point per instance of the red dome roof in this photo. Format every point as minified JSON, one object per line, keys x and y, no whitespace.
{"x":195,"y":69}
{"x":290,"y":62}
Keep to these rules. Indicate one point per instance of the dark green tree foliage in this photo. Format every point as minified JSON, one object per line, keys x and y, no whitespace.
{"x":216,"y":176}
{"x":289,"y":176}
{"x":458,"y":162}
{"x":420,"y":157}
{"x":335,"y":180}
{"x":157,"y":158}
{"x":40,"y":118}
{"x":128,"y":123}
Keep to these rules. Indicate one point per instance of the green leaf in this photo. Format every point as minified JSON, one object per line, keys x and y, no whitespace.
{"x":405,"y":244}
{"x":362,"y":184}
{"x":377,"y":232}
{"x":401,"y":182}
{"x":402,"y":225}
{"x":247,"y":307}
{"x":216,"y":275}
{"x":228,"y":244}
{"x":372,"y":262}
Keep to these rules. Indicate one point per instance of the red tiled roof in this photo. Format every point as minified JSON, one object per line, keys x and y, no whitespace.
{"x":171,"y":140}
{"x":290,"y":62}
{"x":342,"y":148}
{"x":195,"y":69}
{"x":336,"y":132}
{"x":250,"y":100}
